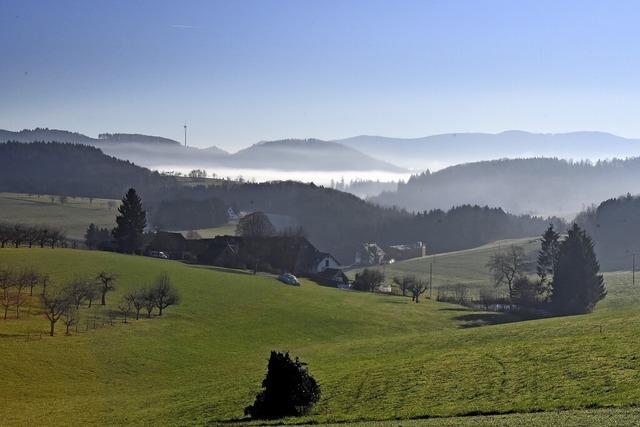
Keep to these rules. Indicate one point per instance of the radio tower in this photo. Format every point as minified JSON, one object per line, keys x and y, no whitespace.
{"x":185,"y":135}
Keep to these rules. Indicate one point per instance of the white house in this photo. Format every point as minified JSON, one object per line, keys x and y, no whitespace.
{"x":325,"y":261}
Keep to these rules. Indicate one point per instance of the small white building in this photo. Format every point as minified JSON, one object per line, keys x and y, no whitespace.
{"x":326,"y":261}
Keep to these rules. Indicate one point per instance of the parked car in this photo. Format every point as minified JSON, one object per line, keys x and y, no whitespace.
{"x":158,"y":254}
{"x":289,"y":279}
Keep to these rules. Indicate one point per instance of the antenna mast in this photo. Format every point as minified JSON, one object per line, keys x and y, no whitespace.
{"x":185,"y":134}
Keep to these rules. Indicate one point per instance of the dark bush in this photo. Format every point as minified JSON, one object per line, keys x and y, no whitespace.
{"x":289,"y":389}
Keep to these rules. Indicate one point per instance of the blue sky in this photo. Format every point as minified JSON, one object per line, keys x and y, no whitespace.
{"x":242,"y":71}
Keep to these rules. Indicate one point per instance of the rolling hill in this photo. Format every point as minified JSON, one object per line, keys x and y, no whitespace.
{"x":376,"y":357}
{"x":307,"y":154}
{"x":537,"y":186}
{"x":439,"y":151}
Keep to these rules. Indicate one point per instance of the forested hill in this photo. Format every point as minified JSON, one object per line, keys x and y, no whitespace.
{"x":136,"y":138}
{"x":307,"y":154}
{"x":615,"y":228}
{"x":334,"y":221}
{"x":537,"y":185}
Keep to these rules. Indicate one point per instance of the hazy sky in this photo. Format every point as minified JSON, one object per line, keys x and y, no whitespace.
{"x":238,"y":72}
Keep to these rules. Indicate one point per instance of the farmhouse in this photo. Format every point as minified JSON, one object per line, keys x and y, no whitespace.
{"x":407,"y":251}
{"x":275,"y":254}
{"x":369,"y":254}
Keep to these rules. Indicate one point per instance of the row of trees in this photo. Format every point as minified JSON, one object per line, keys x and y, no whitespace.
{"x":31,"y":235}
{"x":64,"y":303}
{"x":569,"y":279}
{"x":370,"y":280}
{"x":160,"y":295}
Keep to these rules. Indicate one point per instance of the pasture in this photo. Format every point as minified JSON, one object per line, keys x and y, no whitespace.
{"x":71,"y":214}
{"x":376,"y":357}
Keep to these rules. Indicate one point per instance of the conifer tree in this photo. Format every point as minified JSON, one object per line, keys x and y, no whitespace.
{"x":577,"y":284}
{"x":547,"y":258}
{"x":131,"y":221}
{"x":289,"y":389}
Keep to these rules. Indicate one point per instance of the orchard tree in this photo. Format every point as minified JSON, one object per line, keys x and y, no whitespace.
{"x":55,"y":304}
{"x":106,"y":283}
{"x":164,"y":293}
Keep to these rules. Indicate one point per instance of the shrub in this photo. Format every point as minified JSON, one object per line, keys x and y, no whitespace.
{"x":289,"y":389}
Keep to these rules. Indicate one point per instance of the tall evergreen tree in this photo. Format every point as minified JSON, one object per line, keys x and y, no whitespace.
{"x":577,"y":284}
{"x":548,"y":255}
{"x":130,"y":223}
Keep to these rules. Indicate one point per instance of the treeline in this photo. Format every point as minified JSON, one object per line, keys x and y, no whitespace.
{"x":334,"y":221}
{"x":31,"y":235}
{"x":518,"y":185}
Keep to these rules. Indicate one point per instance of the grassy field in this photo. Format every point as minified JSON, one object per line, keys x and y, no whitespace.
{"x":376,"y":357}
{"x":228,"y":229}
{"x":467,"y":266}
{"x":73,"y":215}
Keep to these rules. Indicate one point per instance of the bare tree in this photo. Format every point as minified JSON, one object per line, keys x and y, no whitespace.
{"x":137,"y":300}
{"x":54,"y":303}
{"x":256,"y":224}
{"x":125,"y":306}
{"x":149,"y":300}
{"x":45,"y":282}
{"x":107,"y":283}
{"x":77,"y":291}
{"x":7,"y":298}
{"x":164,"y":292}
{"x":22,"y":281}
{"x":404,"y":283}
{"x":31,"y":278}
{"x":70,"y":317}
{"x":507,"y":266}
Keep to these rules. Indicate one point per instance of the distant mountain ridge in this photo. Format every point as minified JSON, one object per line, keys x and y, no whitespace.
{"x":439,"y":151}
{"x":165,"y":153}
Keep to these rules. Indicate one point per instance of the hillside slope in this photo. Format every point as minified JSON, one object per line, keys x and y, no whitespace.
{"x":203,"y":361}
{"x":539,"y":186}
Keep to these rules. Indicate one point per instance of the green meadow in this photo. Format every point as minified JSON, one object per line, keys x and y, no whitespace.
{"x":377,"y":358}
{"x":72,"y":214}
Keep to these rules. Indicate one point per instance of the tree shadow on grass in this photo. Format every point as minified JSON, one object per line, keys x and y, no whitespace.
{"x":474,"y":318}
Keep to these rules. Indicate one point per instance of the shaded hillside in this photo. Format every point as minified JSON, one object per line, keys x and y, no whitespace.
{"x":438,"y":151}
{"x":615,"y":228}
{"x":145,"y":150}
{"x":334,"y":221}
{"x":306,"y":154}
{"x":537,"y":186}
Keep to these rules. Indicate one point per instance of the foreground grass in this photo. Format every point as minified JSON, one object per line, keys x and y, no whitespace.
{"x":376,"y":357}
{"x":571,"y":418}
{"x":73,"y":216}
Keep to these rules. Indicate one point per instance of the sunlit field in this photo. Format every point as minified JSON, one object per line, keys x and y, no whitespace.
{"x":376,"y":357}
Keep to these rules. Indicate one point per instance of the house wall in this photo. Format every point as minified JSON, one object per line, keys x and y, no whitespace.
{"x":326,"y":262}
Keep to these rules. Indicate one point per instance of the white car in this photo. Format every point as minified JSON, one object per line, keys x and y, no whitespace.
{"x":158,"y":254}
{"x":289,"y":279}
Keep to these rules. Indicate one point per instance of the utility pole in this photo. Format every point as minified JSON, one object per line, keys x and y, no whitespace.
{"x":633,"y":274}
{"x":185,"y":135}
{"x":430,"y":278}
